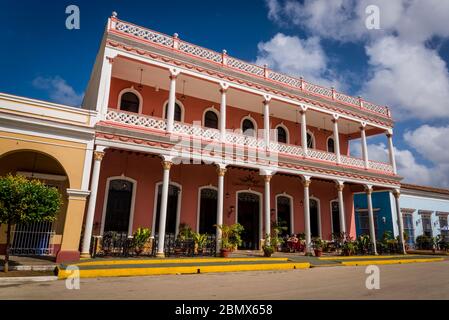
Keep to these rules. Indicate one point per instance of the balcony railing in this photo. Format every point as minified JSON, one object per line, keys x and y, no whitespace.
{"x":174,"y":43}
{"x":158,"y":124}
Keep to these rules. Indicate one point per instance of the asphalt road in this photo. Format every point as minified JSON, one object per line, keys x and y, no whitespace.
{"x":413,"y":281}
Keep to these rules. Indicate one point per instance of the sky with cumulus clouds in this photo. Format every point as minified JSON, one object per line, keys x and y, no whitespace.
{"x":402,"y":65}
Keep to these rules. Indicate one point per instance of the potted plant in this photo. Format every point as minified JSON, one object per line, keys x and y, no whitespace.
{"x":271,"y":243}
{"x":349,"y":248}
{"x":318,"y":245}
{"x":363,"y":243}
{"x":230,"y":238}
{"x":200,"y":241}
{"x":140,"y":238}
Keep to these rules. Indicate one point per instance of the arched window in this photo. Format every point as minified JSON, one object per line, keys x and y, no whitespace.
{"x":129,"y":102}
{"x":211,"y":119}
{"x":282,"y":134}
{"x":330,"y":145}
{"x":310,"y":141}
{"x":248,"y":128}
{"x":207,"y":210}
{"x":178,"y":112}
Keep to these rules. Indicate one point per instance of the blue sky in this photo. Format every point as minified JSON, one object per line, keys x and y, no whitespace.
{"x":403,"y":65}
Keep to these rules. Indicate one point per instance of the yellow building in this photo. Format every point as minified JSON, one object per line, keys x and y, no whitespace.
{"x":53,"y":143}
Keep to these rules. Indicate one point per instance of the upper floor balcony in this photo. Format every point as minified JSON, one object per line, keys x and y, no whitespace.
{"x":135,"y":39}
{"x":148,"y":82}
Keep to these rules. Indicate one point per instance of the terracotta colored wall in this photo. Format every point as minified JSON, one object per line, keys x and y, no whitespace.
{"x":147,"y":172}
{"x":153,"y":102}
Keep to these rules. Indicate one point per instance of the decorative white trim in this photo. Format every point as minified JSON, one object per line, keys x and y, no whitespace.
{"x":198,"y":207}
{"x":133,"y":202}
{"x":292,"y":219}
{"x":179,"y":103}
{"x":203,"y":117}
{"x":260,"y":209}
{"x":283,"y":126}
{"x":178,"y":208}
{"x":43,"y":176}
{"x":132,"y":90}
{"x":78,"y":193}
{"x":320,"y":234}
{"x":249,"y":117}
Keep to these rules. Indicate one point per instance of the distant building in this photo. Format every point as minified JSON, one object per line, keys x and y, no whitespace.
{"x":424,"y":211}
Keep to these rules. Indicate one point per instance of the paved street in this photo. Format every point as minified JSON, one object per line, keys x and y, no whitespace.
{"x":414,"y":281}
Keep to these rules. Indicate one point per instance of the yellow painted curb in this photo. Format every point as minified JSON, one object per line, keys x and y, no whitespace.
{"x":62,"y":274}
{"x":168,"y":260}
{"x":394,"y":261}
{"x":365,"y":257}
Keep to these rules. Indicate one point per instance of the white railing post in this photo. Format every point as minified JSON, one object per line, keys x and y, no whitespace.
{"x":336,"y":139}
{"x":172,"y":100}
{"x":266,"y":120}
{"x":391,"y":150}
{"x":224,"y":88}
{"x":364,"y":145}
{"x":304,"y":132}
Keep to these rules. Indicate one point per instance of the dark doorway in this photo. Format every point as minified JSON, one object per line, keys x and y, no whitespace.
{"x":118,"y":207}
{"x":248,"y":217}
{"x":314,"y":228}
{"x":172,"y":208}
{"x":208,"y":211}
{"x":284,"y":218}
{"x":335,"y":217}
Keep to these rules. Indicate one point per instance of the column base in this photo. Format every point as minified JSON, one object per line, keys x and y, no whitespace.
{"x":85,"y":255}
{"x":160,"y":255}
{"x":67,"y":256}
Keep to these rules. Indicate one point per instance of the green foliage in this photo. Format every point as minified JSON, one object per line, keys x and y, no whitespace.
{"x":140,"y":238}
{"x":27,"y":201}
{"x":185,"y":232}
{"x":230,"y":235}
{"x":363,"y":243}
{"x":349,"y":247}
{"x":302,"y":236}
{"x":424,"y":242}
{"x":200,"y":239}
{"x":318,"y":243}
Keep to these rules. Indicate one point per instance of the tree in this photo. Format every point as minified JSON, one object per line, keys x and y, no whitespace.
{"x":25,"y":201}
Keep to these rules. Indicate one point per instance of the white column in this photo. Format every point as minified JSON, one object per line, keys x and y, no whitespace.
{"x":163,"y":213}
{"x":223,"y":90}
{"x":336,"y":140}
{"x":364,"y":147}
{"x":267,"y":207}
{"x":266,"y":121}
{"x":372,"y":229}
{"x":397,"y":195}
{"x":171,"y":100}
{"x":341,"y":206}
{"x":304,"y":132}
{"x":85,"y":249}
{"x":221,"y":171}
{"x":306,"y":184}
{"x":104,"y":85}
{"x":391,"y":151}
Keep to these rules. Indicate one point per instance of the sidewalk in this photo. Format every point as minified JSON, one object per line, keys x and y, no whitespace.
{"x":239,"y":261}
{"x":29,"y":263}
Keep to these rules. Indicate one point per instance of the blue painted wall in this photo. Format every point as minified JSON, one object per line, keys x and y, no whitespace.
{"x":382,"y":202}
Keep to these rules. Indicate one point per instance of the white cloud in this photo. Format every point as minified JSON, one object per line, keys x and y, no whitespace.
{"x":430,"y":142}
{"x":409,"y":77}
{"x":403,"y":72}
{"x":295,"y":56}
{"x":58,"y":90}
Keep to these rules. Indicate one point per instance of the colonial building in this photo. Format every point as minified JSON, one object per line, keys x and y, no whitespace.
{"x":424,"y":211}
{"x":53,"y":143}
{"x":189,"y":135}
